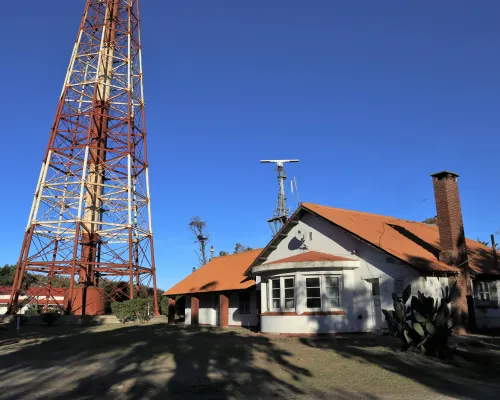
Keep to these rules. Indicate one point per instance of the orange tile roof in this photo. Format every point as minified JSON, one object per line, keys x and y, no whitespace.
{"x":413,"y":242}
{"x":310,"y":256}
{"x":219,"y":274}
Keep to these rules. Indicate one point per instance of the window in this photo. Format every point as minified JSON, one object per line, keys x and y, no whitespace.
{"x":244,"y":302}
{"x":313,"y":292}
{"x":332,"y":285}
{"x":485,"y":294}
{"x":289,"y":293}
{"x":276,"y":294}
{"x":323,"y":292}
{"x":283,"y":293}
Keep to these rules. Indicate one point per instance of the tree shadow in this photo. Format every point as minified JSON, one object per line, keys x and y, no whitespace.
{"x":148,"y":361}
{"x":461,"y":378}
{"x":414,"y":238}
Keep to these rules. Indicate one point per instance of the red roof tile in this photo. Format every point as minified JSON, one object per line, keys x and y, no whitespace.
{"x":413,"y":242}
{"x":310,"y":256}
{"x":221,"y":273}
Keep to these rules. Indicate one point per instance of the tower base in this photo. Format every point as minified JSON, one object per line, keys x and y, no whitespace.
{"x":87,"y":300}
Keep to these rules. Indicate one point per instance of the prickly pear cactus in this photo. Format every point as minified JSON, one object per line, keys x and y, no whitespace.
{"x":425,"y":324}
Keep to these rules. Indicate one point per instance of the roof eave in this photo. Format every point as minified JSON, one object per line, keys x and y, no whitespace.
{"x":209,"y":291}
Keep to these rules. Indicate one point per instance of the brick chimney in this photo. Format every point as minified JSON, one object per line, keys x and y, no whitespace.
{"x":453,"y":249}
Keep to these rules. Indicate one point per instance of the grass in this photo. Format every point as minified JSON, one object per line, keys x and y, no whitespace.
{"x":160,"y":361}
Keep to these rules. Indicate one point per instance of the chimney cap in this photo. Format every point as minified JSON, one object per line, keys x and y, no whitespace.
{"x":444,"y":174}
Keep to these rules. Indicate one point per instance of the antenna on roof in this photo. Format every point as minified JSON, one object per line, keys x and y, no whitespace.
{"x":281,"y":211}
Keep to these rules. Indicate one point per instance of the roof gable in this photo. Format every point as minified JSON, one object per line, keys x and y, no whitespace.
{"x":219,"y":274}
{"x":414,"y":243}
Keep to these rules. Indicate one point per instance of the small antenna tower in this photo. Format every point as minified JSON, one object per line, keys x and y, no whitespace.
{"x":281,"y":211}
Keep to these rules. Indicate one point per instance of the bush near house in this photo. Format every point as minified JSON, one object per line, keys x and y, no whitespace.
{"x":50,"y":316}
{"x":425,"y":324}
{"x":133,"y":310}
{"x":164,"y":305}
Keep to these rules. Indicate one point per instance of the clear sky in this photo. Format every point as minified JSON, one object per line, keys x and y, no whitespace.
{"x":372,"y":96}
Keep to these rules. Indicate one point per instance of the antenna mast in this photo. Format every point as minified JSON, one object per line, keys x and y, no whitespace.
{"x":281,"y":211}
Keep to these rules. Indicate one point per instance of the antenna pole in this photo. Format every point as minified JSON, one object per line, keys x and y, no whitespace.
{"x":281,"y":211}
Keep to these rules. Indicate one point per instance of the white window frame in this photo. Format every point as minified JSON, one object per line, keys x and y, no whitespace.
{"x":485,"y":287}
{"x":282,"y":294}
{"x":323,"y":292}
{"x":339,"y":277}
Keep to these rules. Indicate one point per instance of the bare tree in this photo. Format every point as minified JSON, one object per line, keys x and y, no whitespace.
{"x":199,"y":229}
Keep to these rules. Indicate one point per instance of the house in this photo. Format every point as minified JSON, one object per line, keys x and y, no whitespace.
{"x":219,"y":293}
{"x":33,"y":296}
{"x":333,"y":270}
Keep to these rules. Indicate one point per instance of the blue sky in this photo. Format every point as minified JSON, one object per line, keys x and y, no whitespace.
{"x":371,"y":96}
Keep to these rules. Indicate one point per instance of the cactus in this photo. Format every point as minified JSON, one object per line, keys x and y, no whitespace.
{"x":425,"y":324}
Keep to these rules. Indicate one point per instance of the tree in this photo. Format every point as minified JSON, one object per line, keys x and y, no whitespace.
{"x":223,"y":253}
{"x":7,"y":275}
{"x":430,"y":221}
{"x":199,"y":229}
{"x":240,"y":248}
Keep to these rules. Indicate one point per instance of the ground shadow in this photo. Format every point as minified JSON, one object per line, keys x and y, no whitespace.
{"x":145,"y":361}
{"x":473,"y":376}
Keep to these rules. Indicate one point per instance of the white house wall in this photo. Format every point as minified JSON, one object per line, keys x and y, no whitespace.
{"x":245,"y":320}
{"x":357,"y":296}
{"x":187,"y":311}
{"x":207,"y":313}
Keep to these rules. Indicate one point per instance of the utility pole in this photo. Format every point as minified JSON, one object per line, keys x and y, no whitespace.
{"x":281,"y":211}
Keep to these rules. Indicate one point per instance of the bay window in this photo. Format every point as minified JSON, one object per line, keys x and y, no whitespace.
{"x":276,"y":297}
{"x":313,"y":292}
{"x":332,"y":292}
{"x":283,"y":294}
{"x":323,"y":292}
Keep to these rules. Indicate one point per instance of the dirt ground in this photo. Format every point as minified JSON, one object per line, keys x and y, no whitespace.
{"x":164,"y":362}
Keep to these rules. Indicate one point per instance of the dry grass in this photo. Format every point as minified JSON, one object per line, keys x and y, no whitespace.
{"x":159,"y":361}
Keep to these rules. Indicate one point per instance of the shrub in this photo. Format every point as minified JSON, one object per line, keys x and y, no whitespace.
{"x":32,"y":309}
{"x":50,"y":317}
{"x":133,"y":310}
{"x":164,"y":305}
{"x":424,"y":324}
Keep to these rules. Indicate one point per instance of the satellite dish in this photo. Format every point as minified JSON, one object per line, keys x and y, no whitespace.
{"x":300,"y":236}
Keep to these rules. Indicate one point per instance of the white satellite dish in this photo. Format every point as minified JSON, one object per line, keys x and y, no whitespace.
{"x":300,"y":236}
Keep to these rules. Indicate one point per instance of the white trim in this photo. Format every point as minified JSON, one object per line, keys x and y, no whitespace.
{"x":282,"y":293}
{"x":305,"y":264}
{"x":322,"y":286}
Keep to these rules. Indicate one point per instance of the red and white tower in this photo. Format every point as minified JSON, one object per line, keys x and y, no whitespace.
{"x":90,"y":221}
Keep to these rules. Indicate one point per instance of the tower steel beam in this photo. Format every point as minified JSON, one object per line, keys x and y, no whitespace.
{"x":89,"y":227}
